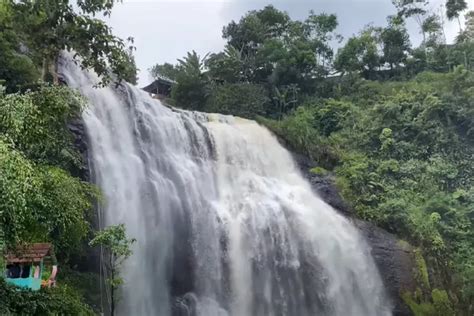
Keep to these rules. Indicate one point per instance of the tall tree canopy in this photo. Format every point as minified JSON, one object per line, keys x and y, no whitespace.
{"x":392,"y":123}
{"x":44,"y":28}
{"x":282,"y":51}
{"x":361,"y":53}
{"x":454,"y":8}
{"x":396,"y":42}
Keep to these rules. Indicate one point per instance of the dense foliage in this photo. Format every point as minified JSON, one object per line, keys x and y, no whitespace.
{"x":33,"y":33}
{"x":114,"y":241}
{"x":40,"y":200}
{"x":62,"y":300}
{"x":265,"y":48}
{"x":402,"y":154}
{"x":393,"y":123}
{"x":42,"y":195}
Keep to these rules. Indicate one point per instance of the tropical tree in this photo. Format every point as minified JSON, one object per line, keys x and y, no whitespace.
{"x":416,"y":9}
{"x":16,"y":67}
{"x":50,"y":26}
{"x":360,"y":54}
{"x":165,"y":70}
{"x":114,"y":241}
{"x":396,"y":42}
{"x":191,"y":89}
{"x":241,"y":99}
{"x":40,"y":200}
{"x":228,"y":66}
{"x":463,"y":52}
{"x":279,"y":51}
{"x":254,"y":28}
{"x":454,"y":9}
{"x":467,"y":35}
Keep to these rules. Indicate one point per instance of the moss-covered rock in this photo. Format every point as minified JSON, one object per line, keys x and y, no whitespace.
{"x":418,"y":308}
{"x":442,"y":303}
{"x":424,"y":301}
{"x":422,"y":271}
{"x":319,"y":171}
{"x":438,"y":305}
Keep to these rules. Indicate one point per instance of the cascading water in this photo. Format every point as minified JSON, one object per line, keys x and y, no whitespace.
{"x":225,"y":224}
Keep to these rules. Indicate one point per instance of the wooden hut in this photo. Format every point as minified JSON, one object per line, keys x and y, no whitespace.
{"x":25,"y":266}
{"x":160,"y":88}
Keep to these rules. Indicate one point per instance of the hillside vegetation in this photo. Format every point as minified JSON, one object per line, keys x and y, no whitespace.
{"x":43,"y":195}
{"x":393,"y":123}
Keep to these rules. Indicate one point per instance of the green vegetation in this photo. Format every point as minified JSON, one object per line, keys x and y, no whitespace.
{"x":439,"y":305}
{"x":61,"y":300}
{"x":401,"y":153}
{"x":41,"y":201}
{"x":394,"y":123}
{"x":422,"y":272}
{"x":419,"y":308}
{"x":319,"y":171}
{"x":33,"y":33}
{"x":114,"y":241}
{"x":42,"y":196}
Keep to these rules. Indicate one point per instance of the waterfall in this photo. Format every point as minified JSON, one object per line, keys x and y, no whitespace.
{"x":225,"y":223}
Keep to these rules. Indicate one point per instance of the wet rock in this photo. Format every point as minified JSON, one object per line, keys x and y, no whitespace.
{"x":323,"y":185}
{"x":79,"y":134}
{"x":395,"y":261}
{"x":393,"y":257}
{"x":326,"y":189}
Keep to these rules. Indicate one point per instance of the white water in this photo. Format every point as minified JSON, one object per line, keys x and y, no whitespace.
{"x":225,"y":224}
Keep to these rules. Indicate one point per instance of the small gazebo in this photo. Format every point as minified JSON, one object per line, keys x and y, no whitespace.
{"x":25,"y":265}
{"x":160,"y":88}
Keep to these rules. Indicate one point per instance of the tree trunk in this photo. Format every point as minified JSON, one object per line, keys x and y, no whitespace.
{"x":112,"y":287}
{"x":44,"y":69}
{"x":53,"y":71}
{"x":49,"y":69}
{"x":112,"y":298}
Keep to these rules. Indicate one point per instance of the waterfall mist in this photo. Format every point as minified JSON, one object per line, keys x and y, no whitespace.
{"x":225,"y":223}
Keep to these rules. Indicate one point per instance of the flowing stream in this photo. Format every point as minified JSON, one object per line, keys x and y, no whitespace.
{"x":225,"y":223}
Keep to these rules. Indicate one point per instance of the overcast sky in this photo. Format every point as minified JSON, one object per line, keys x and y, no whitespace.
{"x":165,"y":30}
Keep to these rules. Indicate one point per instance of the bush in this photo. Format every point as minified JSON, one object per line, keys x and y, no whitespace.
{"x":61,"y":300}
{"x":240,"y":99}
{"x":40,"y":200}
{"x":36,"y":123}
{"x":402,"y":155}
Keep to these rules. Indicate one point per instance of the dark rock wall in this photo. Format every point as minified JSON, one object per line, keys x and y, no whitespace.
{"x":395,"y":261}
{"x":79,"y":134}
{"x":393,"y":257}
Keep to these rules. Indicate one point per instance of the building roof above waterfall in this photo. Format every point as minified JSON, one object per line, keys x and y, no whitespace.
{"x":161,"y":87}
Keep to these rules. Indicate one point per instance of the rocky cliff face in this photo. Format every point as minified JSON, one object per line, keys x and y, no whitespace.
{"x":78,"y":131}
{"x":396,"y":263}
{"x":394,"y":258}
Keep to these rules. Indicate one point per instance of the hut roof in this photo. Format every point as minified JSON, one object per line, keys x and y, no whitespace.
{"x":161,"y":80}
{"x":29,"y":253}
